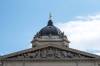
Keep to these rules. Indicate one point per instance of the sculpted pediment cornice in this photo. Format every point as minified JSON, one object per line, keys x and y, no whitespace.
{"x":49,"y":52}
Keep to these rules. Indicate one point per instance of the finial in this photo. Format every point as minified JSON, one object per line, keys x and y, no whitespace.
{"x":50,"y":16}
{"x":50,"y":23}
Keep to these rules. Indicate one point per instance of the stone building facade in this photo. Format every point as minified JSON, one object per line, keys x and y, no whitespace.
{"x":50,"y":47}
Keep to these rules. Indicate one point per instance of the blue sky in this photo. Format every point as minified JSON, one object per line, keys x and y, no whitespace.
{"x":21,"y":19}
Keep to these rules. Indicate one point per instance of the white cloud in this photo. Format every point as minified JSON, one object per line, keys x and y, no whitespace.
{"x":83,"y":32}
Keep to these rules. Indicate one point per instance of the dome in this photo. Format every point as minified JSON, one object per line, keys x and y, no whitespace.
{"x":50,"y":29}
{"x":50,"y":34}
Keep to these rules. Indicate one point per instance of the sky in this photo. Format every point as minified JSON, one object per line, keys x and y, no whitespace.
{"x":21,"y":19}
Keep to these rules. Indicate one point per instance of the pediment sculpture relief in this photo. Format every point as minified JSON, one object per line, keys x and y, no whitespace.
{"x":50,"y":53}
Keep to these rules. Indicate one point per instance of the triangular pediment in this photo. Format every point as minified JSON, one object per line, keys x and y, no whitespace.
{"x":49,"y":52}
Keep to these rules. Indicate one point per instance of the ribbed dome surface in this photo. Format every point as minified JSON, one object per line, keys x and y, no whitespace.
{"x":50,"y":29}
